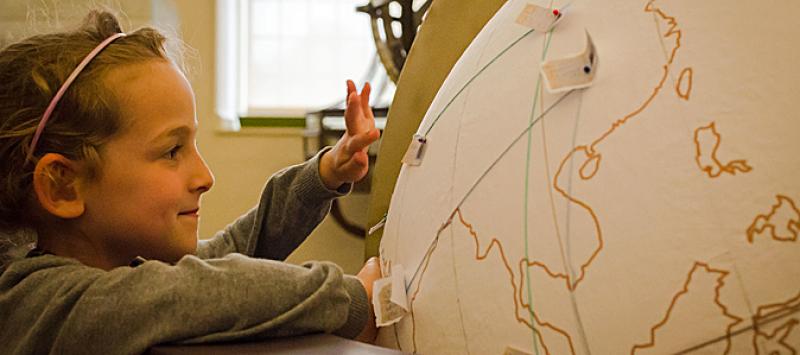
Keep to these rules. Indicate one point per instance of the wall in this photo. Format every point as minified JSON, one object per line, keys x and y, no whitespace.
{"x":242,"y":161}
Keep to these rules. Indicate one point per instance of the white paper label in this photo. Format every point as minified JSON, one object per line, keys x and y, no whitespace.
{"x":538,"y":18}
{"x":573,"y":72}
{"x":415,"y":151}
{"x":386,"y":312}
{"x":389,"y":298}
{"x":399,"y":296}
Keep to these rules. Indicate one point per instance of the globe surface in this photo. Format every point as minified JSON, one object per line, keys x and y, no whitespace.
{"x":653,"y":212}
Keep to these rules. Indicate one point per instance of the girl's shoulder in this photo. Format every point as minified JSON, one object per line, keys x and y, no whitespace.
{"x":42,"y":270}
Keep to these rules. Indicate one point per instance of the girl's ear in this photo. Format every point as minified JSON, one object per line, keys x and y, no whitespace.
{"x":56,"y":183}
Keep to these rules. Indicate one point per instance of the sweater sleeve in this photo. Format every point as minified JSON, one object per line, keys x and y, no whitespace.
{"x":70,"y":308}
{"x":292,"y":204}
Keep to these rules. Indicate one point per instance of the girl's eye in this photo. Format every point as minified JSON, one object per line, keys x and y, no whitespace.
{"x":173,"y":153}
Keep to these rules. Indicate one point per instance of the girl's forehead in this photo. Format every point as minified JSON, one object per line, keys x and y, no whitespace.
{"x":151,"y":96}
{"x":152,"y":76}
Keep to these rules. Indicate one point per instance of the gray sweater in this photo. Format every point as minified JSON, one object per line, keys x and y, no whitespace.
{"x":230,"y":291}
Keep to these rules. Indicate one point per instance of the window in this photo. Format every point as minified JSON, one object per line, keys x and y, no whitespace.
{"x":280,"y":59}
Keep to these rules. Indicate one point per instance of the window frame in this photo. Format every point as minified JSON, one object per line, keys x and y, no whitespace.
{"x":232,"y":82}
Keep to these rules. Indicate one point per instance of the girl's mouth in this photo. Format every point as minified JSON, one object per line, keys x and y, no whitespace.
{"x":190,"y":213}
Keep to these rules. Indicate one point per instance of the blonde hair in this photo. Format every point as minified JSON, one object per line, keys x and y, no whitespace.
{"x":31,"y":72}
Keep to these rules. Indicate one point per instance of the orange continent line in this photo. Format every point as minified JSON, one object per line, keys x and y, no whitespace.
{"x":709,"y":167}
{"x":786,"y":329}
{"x":426,"y":262}
{"x":765,"y":221}
{"x":426,"y":259}
{"x":687,"y":74}
{"x":671,"y":30}
{"x":772,"y":309}
{"x":588,"y":170}
{"x":591,"y":158}
{"x":482,"y":254}
{"x":720,"y":283}
{"x":780,"y":309}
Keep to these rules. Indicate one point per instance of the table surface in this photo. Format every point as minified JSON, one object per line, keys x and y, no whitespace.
{"x":307,"y":344}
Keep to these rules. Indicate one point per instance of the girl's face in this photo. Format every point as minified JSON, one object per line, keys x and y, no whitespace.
{"x":146,"y":198}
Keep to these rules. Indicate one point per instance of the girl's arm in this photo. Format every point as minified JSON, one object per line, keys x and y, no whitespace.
{"x":298,"y":198}
{"x":293,"y":203}
{"x":57,"y":305}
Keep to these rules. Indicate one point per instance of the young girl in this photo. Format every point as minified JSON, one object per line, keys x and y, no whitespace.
{"x":97,"y":143}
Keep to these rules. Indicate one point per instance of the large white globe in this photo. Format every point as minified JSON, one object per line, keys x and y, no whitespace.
{"x":654,"y":212}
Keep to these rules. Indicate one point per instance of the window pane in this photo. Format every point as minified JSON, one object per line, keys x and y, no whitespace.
{"x":265,"y":18}
{"x":302,"y":51}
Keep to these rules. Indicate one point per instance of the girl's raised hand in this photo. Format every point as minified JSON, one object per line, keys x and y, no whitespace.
{"x":348,"y":160}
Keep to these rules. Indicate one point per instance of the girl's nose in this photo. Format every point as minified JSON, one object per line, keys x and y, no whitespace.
{"x":202,"y":179}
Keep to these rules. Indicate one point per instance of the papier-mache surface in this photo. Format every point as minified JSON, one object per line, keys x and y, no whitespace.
{"x":655,"y":211}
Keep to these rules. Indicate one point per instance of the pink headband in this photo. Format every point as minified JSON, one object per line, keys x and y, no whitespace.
{"x":65,"y":86}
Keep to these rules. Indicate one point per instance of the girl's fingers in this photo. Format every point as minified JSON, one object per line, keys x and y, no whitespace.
{"x":365,"y":101}
{"x":356,"y":166}
{"x":353,"y":113}
{"x":351,"y":87}
{"x":360,"y":141}
{"x":360,"y":160}
{"x":353,"y":166}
